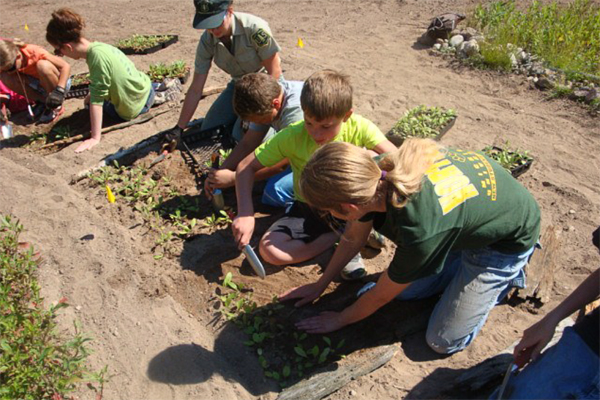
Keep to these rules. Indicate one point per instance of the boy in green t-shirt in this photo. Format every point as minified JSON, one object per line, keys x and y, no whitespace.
{"x":302,"y":234}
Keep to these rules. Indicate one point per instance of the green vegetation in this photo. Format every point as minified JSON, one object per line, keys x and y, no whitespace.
{"x":158,"y":72}
{"x":565,"y":36}
{"x":284,"y":353}
{"x":422,"y":122}
{"x":35,"y":361}
{"x":80,"y":79}
{"x":509,"y":159}
{"x":142,"y":42}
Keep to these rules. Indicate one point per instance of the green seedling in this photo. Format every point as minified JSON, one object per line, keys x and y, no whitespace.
{"x":142,"y":42}
{"x":158,"y":72}
{"x":80,"y":79}
{"x":221,"y":219}
{"x":62,"y":132}
{"x":422,"y":122}
{"x":508,"y":159}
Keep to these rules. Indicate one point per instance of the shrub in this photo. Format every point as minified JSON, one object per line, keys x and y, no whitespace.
{"x":35,"y":361}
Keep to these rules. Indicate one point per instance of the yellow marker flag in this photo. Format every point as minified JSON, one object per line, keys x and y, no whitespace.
{"x":27,"y":27}
{"x":109,"y":195}
{"x":300,"y":43}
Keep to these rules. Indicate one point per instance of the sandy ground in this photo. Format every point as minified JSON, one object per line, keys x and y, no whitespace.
{"x":151,"y":320}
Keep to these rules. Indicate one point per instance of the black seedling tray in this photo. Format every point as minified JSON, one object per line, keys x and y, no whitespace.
{"x":153,"y":49}
{"x":519,"y":169}
{"x":397,"y":140}
{"x":78,"y":91}
{"x":199,"y":146}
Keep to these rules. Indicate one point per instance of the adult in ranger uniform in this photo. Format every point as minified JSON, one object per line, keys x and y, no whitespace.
{"x":239,"y":44}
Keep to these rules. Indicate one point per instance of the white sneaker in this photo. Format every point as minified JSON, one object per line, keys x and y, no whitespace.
{"x":354,"y":270}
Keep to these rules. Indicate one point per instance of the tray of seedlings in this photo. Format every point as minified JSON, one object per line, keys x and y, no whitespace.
{"x":516,"y":161}
{"x":178,"y":69}
{"x":145,"y":44}
{"x":80,"y":86}
{"x":200,"y":147}
{"x":422,"y":122}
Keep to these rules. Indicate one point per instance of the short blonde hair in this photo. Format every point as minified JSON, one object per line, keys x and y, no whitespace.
{"x":8,"y":54}
{"x":326,"y":94}
{"x":253,"y":94}
{"x":348,"y":174}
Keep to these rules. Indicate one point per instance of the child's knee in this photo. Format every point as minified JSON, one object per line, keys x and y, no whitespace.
{"x":269,"y":252}
{"x":45,"y":68}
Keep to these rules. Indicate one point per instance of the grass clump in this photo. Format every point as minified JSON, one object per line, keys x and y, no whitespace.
{"x":565,"y":36}
{"x":35,"y":361}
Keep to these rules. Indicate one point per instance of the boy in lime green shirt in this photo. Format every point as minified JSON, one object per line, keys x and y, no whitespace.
{"x":326,"y":100}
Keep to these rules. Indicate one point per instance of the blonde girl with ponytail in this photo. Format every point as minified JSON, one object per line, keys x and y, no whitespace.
{"x":463,"y":228}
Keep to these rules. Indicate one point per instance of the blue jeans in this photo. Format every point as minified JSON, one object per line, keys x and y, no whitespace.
{"x":109,"y":108}
{"x":472,"y":283}
{"x":279,"y":191}
{"x":567,"y":370}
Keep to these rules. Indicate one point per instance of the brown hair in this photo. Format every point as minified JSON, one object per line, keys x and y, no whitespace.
{"x":326,"y":94}
{"x":253,"y":94}
{"x":65,"y":26}
{"x":8,"y":54}
{"x":348,"y":174}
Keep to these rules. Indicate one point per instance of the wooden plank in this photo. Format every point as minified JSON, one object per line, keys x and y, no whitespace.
{"x":325,"y":383}
{"x":540,"y":271}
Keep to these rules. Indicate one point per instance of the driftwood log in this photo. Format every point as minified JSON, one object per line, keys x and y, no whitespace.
{"x":321,"y":385}
{"x":139,"y":120}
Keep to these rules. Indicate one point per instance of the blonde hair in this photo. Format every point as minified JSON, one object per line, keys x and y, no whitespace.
{"x":253,"y":95}
{"x":8,"y":53}
{"x":65,"y":26}
{"x":326,"y":94}
{"x":348,"y":174}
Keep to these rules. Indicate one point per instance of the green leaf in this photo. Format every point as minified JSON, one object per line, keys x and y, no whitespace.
{"x":227,"y":279}
{"x":324,"y":355}
{"x":327,"y":340}
{"x":341,"y":343}
{"x":314,"y":351}
{"x":286,"y":371}
{"x":300,"y":351}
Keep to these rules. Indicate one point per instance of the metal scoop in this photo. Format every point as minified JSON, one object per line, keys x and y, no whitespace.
{"x":254,"y":261}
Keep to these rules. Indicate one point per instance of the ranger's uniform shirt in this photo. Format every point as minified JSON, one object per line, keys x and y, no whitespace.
{"x":251,"y":44}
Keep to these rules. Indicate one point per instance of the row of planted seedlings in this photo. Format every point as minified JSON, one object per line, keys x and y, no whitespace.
{"x":435,"y":122}
{"x":285,"y":354}
{"x":171,"y":217}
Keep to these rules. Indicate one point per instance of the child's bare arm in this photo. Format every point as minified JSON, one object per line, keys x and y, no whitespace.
{"x":243,"y":224}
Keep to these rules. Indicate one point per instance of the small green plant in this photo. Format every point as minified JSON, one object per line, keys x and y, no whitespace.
{"x":422,"y":122}
{"x":142,"y":42}
{"x":223,"y":154}
{"x":561,"y":91}
{"x":158,"y":72}
{"x":508,"y":159}
{"x":80,"y":79}
{"x":221,"y":219}
{"x":35,"y":361}
{"x":62,"y":132}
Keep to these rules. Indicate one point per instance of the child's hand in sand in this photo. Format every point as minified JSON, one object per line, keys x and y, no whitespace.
{"x":86,"y":145}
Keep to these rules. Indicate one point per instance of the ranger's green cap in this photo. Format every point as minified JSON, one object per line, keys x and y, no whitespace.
{"x":210,"y":13}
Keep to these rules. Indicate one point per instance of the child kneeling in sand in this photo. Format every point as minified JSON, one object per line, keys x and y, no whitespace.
{"x":270,"y":105}
{"x":302,"y":234}
{"x":32,"y":72}
{"x":116,"y":86}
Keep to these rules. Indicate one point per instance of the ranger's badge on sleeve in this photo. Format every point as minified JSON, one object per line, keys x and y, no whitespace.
{"x":261,"y":38}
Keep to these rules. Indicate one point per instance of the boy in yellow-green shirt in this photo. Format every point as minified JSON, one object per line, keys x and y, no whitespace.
{"x":302,"y":234}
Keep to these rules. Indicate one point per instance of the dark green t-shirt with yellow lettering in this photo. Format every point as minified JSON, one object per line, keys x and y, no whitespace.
{"x":467,"y":201}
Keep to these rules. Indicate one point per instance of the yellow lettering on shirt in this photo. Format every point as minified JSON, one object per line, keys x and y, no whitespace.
{"x":450,"y":184}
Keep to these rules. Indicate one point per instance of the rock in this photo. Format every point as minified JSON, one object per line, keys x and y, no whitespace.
{"x":544,"y":84}
{"x":455,"y":32}
{"x":579,"y":94}
{"x":571,"y":212}
{"x":445,"y":47}
{"x":571,"y":228}
{"x":352,"y":393}
{"x":437,"y":46}
{"x":592,"y":95}
{"x":522,"y":57}
{"x":471,"y":48}
{"x":440,"y":41}
{"x":78,"y":308}
{"x":480,"y":38}
{"x":513,"y":60}
{"x":469,"y":33}
{"x":537,"y":68}
{"x":455,"y":41}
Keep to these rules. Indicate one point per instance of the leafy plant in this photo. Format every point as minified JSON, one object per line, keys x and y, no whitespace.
{"x":422,"y":122}
{"x":142,"y":42}
{"x":213,"y":221}
{"x":564,"y":35}
{"x":223,"y":154}
{"x":62,"y":132}
{"x":80,"y":79}
{"x":508,"y":159}
{"x":158,"y":72}
{"x":35,"y":361}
